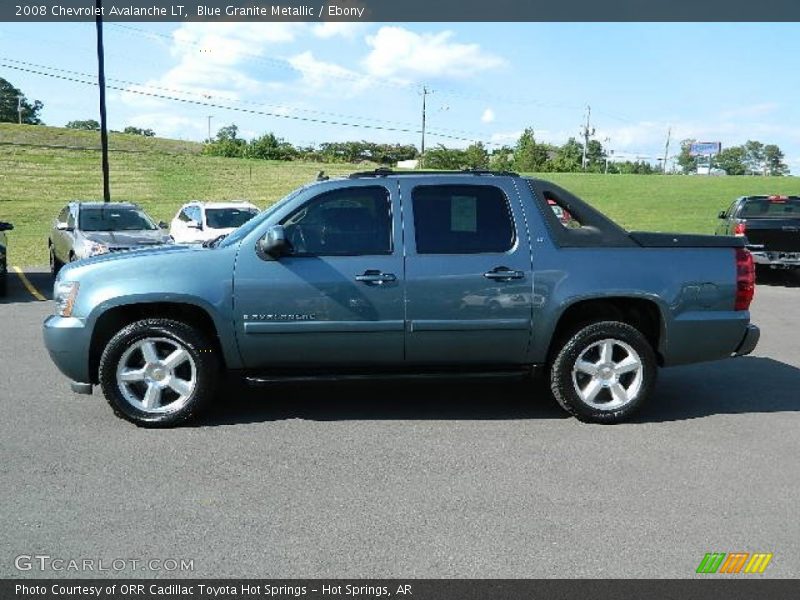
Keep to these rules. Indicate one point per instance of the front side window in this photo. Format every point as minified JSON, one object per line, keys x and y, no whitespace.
{"x":345,"y":222}
{"x":114,"y":219}
{"x":462,"y":219}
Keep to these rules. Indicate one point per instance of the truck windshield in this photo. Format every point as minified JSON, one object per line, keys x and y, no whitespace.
{"x":228,"y":218}
{"x":114,"y":219}
{"x":253,"y":223}
{"x":772,"y":208}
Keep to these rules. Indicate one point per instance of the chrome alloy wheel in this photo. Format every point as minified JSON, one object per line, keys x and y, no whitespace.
{"x":156,"y":375}
{"x":608,"y":374}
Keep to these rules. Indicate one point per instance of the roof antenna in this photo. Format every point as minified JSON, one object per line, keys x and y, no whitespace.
{"x":322,"y":177}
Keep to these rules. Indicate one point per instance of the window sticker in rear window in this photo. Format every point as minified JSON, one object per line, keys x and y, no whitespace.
{"x":464,"y":214}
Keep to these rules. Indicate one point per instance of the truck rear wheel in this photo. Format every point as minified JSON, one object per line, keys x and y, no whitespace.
{"x":159,"y":372}
{"x":604,"y":372}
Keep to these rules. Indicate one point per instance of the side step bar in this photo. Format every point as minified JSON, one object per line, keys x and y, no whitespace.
{"x":266,"y":379}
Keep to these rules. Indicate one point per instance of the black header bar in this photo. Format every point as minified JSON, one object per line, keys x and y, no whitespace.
{"x":403,"y":10}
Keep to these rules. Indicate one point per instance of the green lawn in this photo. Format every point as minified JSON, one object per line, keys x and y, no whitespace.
{"x":36,"y":181}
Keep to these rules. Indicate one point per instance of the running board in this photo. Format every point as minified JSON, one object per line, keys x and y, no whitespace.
{"x":256,"y":380}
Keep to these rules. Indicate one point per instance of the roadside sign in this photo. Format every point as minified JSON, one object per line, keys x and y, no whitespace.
{"x":705,"y":148}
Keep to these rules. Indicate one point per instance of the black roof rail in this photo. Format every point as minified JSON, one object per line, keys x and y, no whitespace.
{"x":383,"y":172}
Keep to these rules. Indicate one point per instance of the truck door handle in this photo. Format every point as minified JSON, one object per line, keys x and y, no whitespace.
{"x":503,"y":274}
{"x":377,"y":277}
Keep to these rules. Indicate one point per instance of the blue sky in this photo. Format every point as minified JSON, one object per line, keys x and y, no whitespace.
{"x":715,"y":82}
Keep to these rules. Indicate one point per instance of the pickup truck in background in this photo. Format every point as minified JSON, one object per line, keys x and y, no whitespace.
{"x":771,"y":226}
{"x":409,"y":274}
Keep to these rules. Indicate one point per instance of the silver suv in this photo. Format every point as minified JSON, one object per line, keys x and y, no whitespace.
{"x":84,"y":229}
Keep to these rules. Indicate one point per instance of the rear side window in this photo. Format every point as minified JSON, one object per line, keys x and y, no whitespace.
{"x":462,"y":219}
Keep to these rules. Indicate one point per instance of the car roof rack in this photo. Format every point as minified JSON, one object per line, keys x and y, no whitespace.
{"x":382,"y":172}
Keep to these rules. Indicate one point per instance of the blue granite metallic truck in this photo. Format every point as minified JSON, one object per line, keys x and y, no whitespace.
{"x":404,"y":274}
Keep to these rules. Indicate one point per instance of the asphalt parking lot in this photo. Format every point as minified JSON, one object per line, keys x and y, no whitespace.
{"x":413,"y":480}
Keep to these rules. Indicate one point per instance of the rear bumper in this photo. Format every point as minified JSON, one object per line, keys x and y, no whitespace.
{"x":749,"y":341}
{"x":777,"y":259}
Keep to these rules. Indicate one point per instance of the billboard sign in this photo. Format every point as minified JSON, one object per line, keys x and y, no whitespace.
{"x":705,"y":148}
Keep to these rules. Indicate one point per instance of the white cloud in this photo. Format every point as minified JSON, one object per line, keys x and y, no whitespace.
{"x":210,"y":57}
{"x":328,"y":78}
{"x":330,"y":29}
{"x":396,"y":51}
{"x":487,"y":116}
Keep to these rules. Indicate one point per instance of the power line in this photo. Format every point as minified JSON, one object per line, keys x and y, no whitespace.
{"x":206,"y":96}
{"x":240,"y":109}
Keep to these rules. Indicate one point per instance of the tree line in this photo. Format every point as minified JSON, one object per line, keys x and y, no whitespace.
{"x":526,"y":155}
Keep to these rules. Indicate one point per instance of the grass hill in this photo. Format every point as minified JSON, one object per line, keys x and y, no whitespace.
{"x":42,"y":168}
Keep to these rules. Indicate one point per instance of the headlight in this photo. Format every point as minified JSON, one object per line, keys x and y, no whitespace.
{"x":93,"y":248}
{"x":64,"y":294}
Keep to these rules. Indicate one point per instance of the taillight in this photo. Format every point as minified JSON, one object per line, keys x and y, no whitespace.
{"x":739,"y":230}
{"x":745,"y":279}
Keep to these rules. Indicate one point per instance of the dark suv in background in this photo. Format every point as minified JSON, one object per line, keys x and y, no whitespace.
{"x":4,"y":256}
{"x":84,"y":229}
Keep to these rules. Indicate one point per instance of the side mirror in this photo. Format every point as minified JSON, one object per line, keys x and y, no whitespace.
{"x":722,"y":215}
{"x":63,"y":227}
{"x":163,"y":225}
{"x":6,"y":226}
{"x":194,"y":225}
{"x":274,"y":242}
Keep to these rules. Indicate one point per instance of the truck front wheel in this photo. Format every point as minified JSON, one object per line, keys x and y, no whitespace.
{"x":603,"y":372}
{"x":159,"y":372}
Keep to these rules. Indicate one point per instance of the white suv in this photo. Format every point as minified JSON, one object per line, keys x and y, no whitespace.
{"x":198,"y":222}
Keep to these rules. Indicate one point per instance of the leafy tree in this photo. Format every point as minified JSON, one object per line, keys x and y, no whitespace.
{"x":9,"y":102}
{"x":502,"y":159}
{"x":732,"y":160}
{"x":773,"y":160}
{"x":476,"y":156}
{"x":529,"y":155}
{"x":686,"y":161}
{"x":270,"y":147}
{"x":595,"y":156}
{"x":139,"y":131}
{"x":442,"y":157}
{"x":568,"y":157}
{"x":227,"y":143}
{"x":87,"y":125}
{"x":754,"y":157}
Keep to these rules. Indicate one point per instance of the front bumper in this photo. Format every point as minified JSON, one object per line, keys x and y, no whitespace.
{"x":67,"y":340}
{"x":749,"y":341}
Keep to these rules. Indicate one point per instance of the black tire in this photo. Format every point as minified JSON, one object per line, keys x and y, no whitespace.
{"x":55,"y":264}
{"x":3,"y":281}
{"x":604,"y":407}
{"x":203,"y":363}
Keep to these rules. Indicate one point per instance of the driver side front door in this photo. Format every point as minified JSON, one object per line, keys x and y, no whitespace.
{"x":337,"y":298}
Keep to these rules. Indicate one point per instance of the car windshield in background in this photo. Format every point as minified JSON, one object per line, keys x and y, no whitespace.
{"x":778,"y":207}
{"x":114,"y":219}
{"x":227,"y":218}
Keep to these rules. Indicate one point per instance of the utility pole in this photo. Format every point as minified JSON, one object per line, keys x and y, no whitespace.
{"x":101,"y":82}
{"x":209,"y":126}
{"x":607,"y":140}
{"x":666,"y":149}
{"x":425,"y":93}
{"x":586,"y":133}
{"x":19,"y":108}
